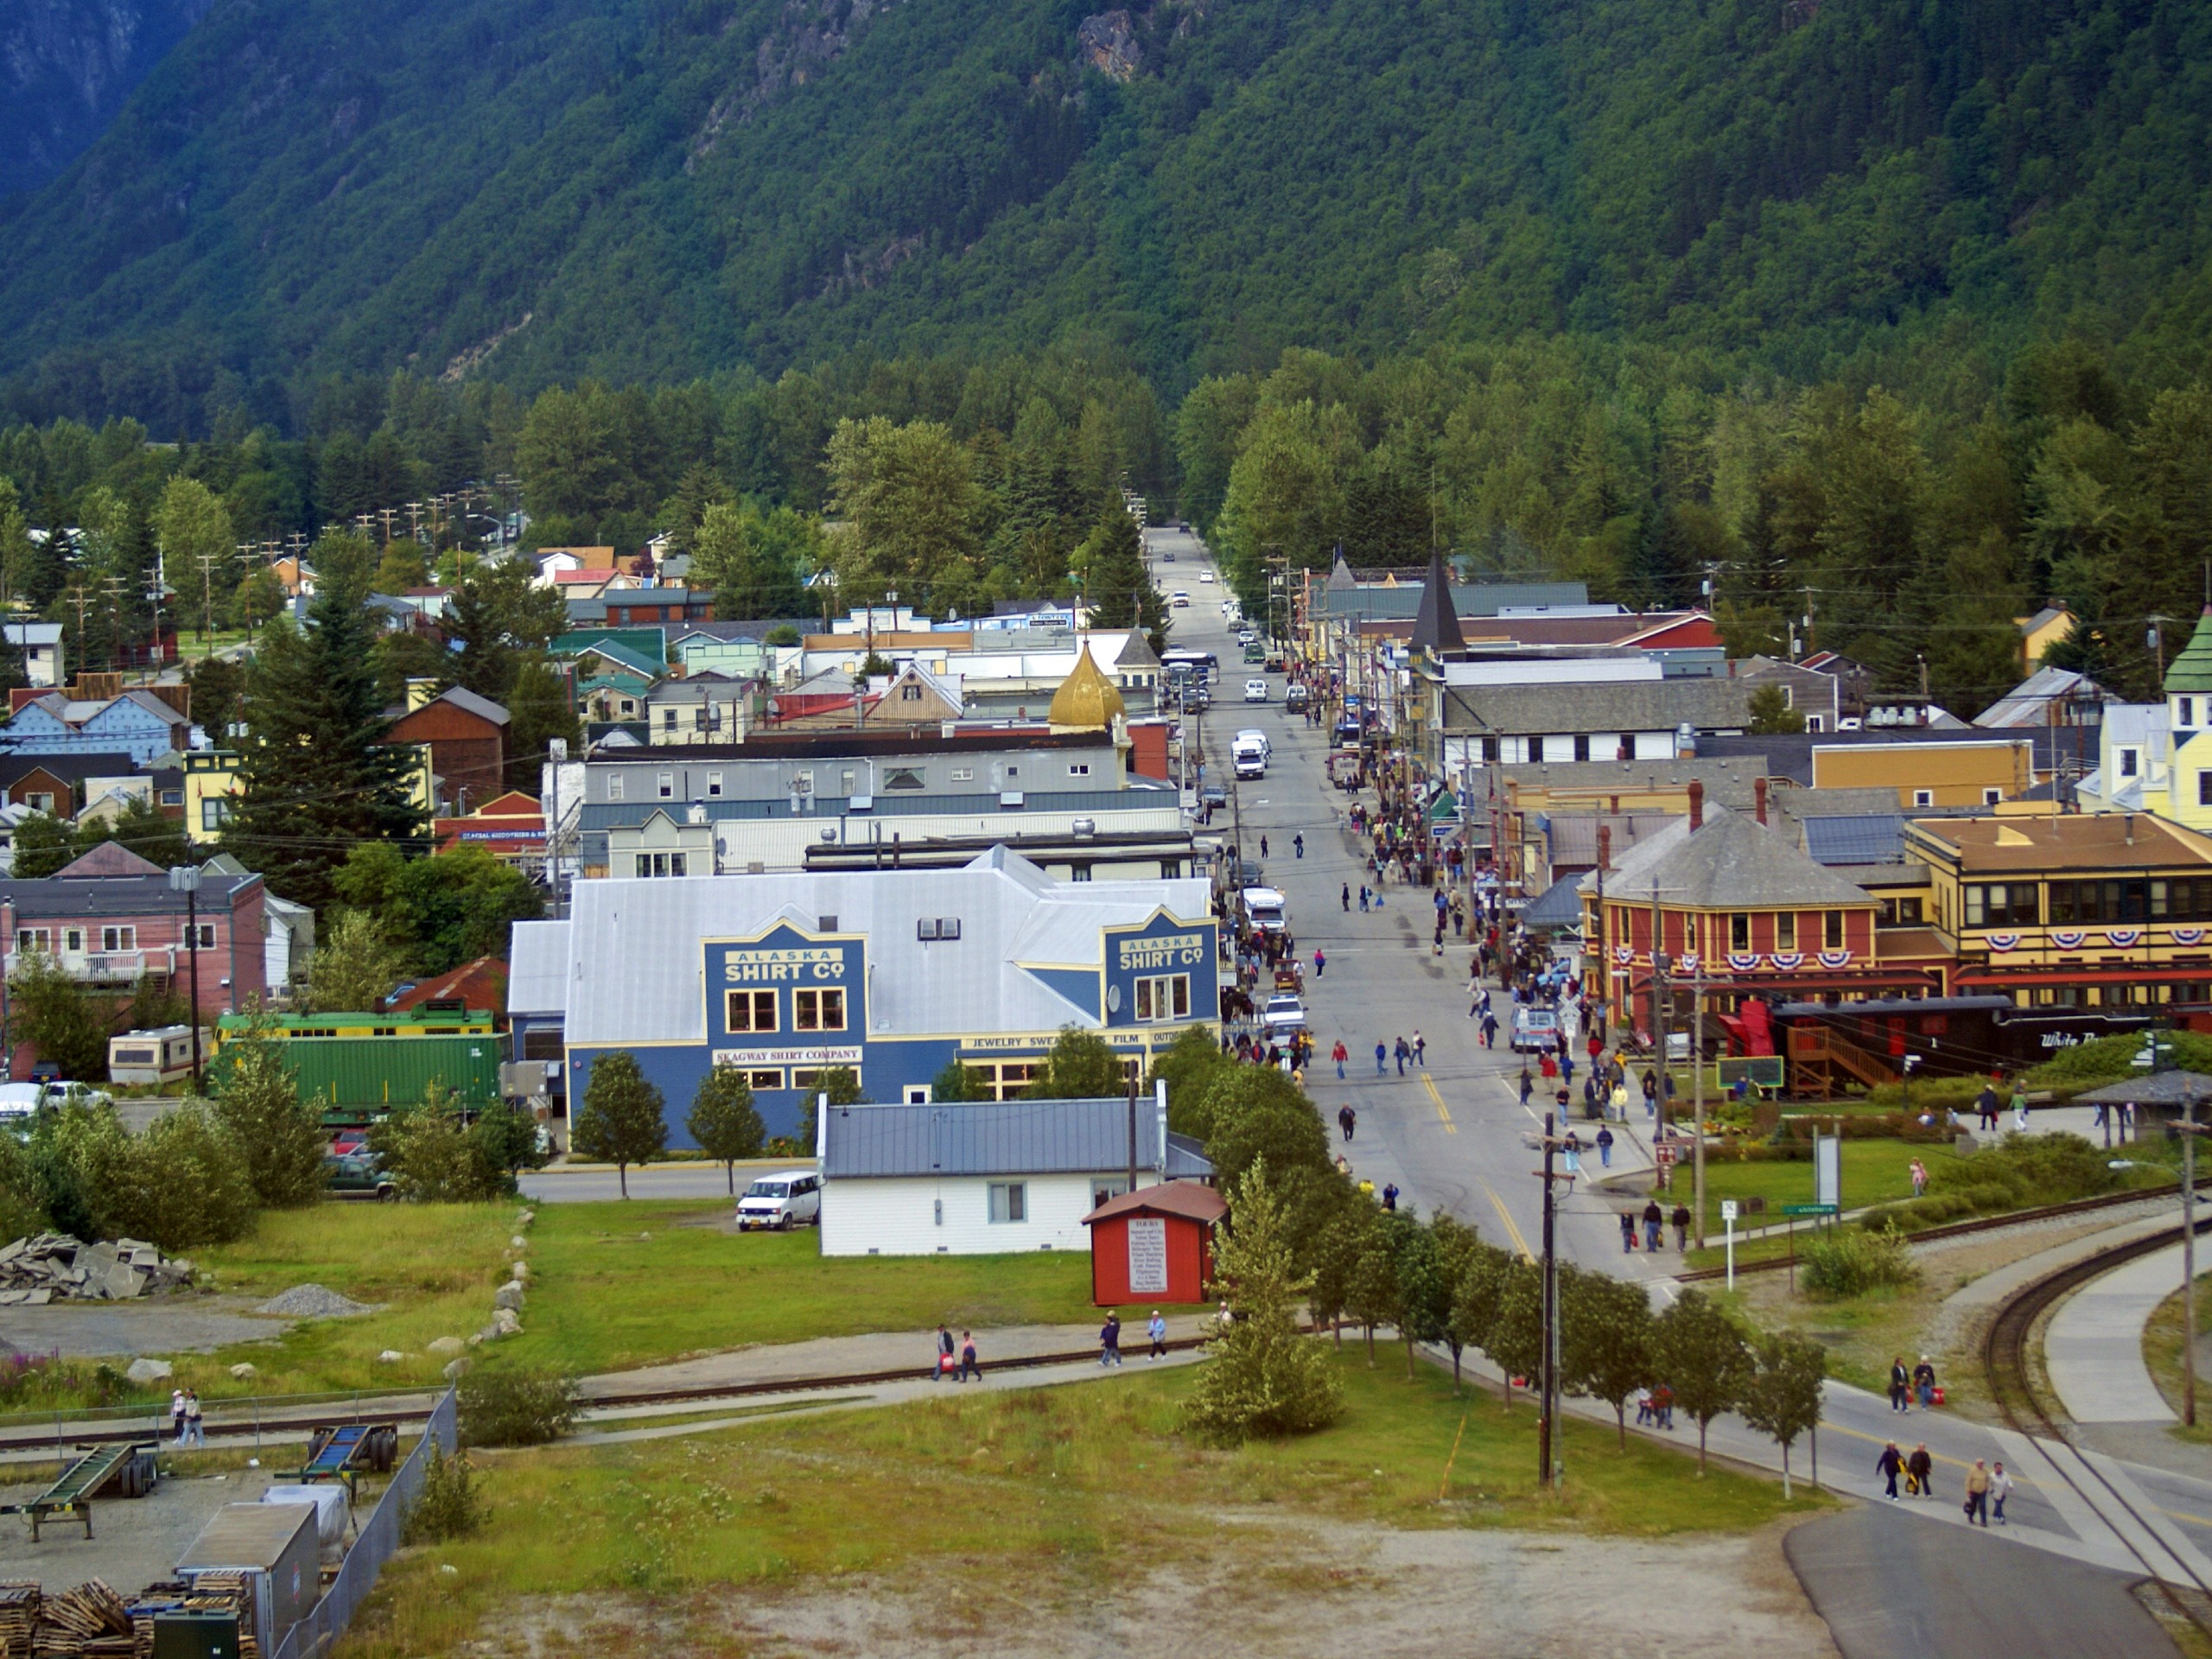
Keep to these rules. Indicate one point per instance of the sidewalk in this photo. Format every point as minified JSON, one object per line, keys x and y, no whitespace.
{"x":2094,"y":1348}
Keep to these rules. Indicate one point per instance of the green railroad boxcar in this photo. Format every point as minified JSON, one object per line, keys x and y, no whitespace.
{"x":360,"y":1077}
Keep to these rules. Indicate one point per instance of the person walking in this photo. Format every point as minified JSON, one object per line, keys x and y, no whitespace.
{"x":1889,"y":1467}
{"x":1399,"y":1052}
{"x":1340,"y":1054}
{"x":2020,"y":1124}
{"x":1224,"y":1321}
{"x":1662,"y":1407}
{"x":2000,"y":1487}
{"x":1489,"y":1029}
{"x":1604,"y":1147}
{"x":1923,"y":1383}
{"x":1381,"y":1057}
{"x":968,"y":1366}
{"x":1977,"y":1505}
{"x":1390,"y":1195}
{"x":943,"y":1349}
{"x":1922,"y":1468}
{"x":1620,"y":1099}
{"x":1985,"y":1108}
{"x":176,"y":1415}
{"x":1263,"y":845}
{"x":1109,"y":1340}
{"x":1347,"y":1119}
{"x":195,"y":1434}
{"x":1363,"y":898}
{"x":1298,"y":843}
{"x":1528,"y":1083}
{"x":1158,"y":1332}
{"x":1420,"y":1048}
{"x":1680,"y":1217}
{"x":1654,"y":1221}
{"x":1900,"y":1385}
{"x":1918,"y":1171}
{"x":1650,"y":1094}
{"x":1347,"y":899}
{"x":1571,"y":1152}
{"x":1320,"y":961}
{"x":1628,"y":1232}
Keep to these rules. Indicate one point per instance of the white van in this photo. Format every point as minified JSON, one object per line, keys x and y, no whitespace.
{"x":1254,"y":734}
{"x":1250,"y":757}
{"x":792,"y":1199}
{"x":1264,"y":906}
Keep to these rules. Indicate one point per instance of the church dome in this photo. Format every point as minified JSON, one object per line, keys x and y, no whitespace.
{"x":1087,"y":700}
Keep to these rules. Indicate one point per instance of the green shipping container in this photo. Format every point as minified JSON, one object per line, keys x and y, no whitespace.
{"x":361,"y":1076}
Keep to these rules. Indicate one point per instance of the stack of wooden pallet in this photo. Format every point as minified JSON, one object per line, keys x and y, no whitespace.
{"x":19,"y":1600}
{"x":89,"y":1620}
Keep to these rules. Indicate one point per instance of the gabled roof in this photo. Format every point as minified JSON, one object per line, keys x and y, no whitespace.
{"x":1732,"y":862}
{"x":2039,"y":698}
{"x":108,"y":858}
{"x":995,"y":1137}
{"x":1192,"y":1200}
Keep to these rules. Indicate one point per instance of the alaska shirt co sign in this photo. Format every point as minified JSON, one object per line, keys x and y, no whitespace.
{"x":787,"y":999}
{"x":1160,"y":974}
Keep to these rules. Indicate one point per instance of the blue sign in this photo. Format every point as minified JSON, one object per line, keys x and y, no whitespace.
{"x":787,"y":998}
{"x":1161,"y":973}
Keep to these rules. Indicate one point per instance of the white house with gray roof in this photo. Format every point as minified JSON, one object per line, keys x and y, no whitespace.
{"x":985,"y":1177}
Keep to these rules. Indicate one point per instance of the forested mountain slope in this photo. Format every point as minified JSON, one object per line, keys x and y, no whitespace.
{"x":538,"y":190}
{"x":66,"y":67}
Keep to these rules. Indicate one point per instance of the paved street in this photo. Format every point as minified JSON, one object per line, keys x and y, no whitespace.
{"x":595,"y":1183}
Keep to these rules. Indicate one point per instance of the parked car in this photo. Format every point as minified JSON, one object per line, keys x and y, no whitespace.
{"x":357,"y":1174}
{"x":1205,"y":575}
{"x":792,"y":1199}
{"x":1534,"y":1029}
{"x":1283,"y":1015}
{"x":1295,"y":699}
{"x":1213,"y":795}
{"x":1255,"y":691}
{"x":1182,"y":601}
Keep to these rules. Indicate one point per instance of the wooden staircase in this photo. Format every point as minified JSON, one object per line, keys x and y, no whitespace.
{"x":1818,"y":1055}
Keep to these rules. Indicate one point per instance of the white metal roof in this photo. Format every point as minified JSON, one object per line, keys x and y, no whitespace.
{"x":538,"y":968}
{"x":634,"y":957}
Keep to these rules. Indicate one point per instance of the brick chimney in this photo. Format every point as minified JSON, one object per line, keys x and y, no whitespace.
{"x":1758,"y":799}
{"x":1697,"y":805}
{"x":1605,"y":846}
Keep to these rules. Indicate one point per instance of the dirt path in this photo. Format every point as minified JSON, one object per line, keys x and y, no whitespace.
{"x":1291,"y":1589}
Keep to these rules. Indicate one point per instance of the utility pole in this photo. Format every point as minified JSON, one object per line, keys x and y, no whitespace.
{"x":1697,"y":1097}
{"x":1548,"y":1376}
{"x":1659,"y":1013}
{"x":2188,"y":1132}
{"x":185,"y":878}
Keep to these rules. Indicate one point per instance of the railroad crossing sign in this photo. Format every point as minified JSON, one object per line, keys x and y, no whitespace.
{"x":1727,"y":1209}
{"x":1808,"y":1209}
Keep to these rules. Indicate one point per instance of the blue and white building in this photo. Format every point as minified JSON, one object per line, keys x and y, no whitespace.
{"x":894,"y":973}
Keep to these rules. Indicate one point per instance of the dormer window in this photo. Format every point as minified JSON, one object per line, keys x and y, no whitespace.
{"x":2184,"y":711}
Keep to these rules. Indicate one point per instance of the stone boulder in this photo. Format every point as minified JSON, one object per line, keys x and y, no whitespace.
{"x":244,"y":1370}
{"x":508,"y":1295}
{"x":144,"y":1372}
{"x":456,"y":1369}
{"x":447,"y":1345}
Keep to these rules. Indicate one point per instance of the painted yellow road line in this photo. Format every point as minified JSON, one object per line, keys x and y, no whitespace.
{"x":1511,"y":1231}
{"x":1443,"y":1112}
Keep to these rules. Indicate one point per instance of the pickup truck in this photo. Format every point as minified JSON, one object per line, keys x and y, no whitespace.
{"x":20,"y":1099}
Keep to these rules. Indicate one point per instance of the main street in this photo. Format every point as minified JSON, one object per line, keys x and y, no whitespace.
{"x":1449,"y":1132}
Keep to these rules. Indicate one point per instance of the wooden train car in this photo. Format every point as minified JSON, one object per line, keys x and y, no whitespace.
{"x":1828,"y":1045}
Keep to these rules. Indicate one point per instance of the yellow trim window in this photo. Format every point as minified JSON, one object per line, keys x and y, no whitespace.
{"x":823,"y":1010}
{"x":752,"y":1011}
{"x":1167,"y":997}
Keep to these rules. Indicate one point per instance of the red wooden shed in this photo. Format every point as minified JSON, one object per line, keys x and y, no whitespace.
{"x":1154,"y":1244}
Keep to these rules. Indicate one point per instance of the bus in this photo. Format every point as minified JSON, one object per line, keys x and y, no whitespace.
{"x":1200,"y":666}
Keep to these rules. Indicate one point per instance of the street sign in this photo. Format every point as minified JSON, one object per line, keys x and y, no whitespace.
{"x":1808,"y":1209}
{"x":1727,"y":1209}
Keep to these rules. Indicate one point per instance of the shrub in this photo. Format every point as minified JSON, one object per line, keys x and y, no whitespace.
{"x":449,"y":1506}
{"x":1837,"y":1262}
{"x":515,"y":1406}
{"x":182,"y":1183}
{"x":433,"y":1158}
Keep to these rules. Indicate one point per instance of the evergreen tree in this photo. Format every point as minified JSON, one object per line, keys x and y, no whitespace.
{"x":317,"y":776}
{"x":539,"y":709}
{"x":1116,"y":585}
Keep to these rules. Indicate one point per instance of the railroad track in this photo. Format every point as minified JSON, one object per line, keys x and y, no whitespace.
{"x":2005,"y":1351}
{"x":295,"y":1425}
{"x":1983,"y":1224}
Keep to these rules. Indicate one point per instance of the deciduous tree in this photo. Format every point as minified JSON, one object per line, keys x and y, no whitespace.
{"x":1700,"y":1354}
{"x":724,"y":1121}
{"x":624,"y":1118}
{"x":1781,"y":1398}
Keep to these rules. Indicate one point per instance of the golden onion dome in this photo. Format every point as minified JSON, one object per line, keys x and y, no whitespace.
{"x":1087,"y":700}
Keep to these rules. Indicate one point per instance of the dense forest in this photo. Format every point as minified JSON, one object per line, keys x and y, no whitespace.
{"x":658,"y":190}
{"x":1874,"y":325}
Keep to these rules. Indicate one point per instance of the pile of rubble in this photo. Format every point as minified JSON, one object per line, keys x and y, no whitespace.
{"x":55,"y":1267}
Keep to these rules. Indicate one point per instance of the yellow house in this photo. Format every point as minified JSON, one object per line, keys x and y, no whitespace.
{"x":2101,"y":910}
{"x":2039,"y":632}
{"x":1980,"y":769}
{"x":210,"y":779}
{"x":2157,"y":757}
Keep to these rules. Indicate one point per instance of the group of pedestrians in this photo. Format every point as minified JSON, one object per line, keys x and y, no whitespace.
{"x":1916,"y":1383}
{"x":184,"y":1417}
{"x":1655,"y":1222}
{"x":1986,"y":1487}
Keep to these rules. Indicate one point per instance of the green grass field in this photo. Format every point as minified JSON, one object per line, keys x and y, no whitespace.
{"x":1068,"y":1489}
{"x":617,"y":1285}
{"x":1874,"y":1172}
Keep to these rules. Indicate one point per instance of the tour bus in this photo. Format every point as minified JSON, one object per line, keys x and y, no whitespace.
{"x":1199,"y":665}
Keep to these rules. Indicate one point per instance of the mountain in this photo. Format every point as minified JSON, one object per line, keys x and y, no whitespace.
{"x":538,"y":190}
{"x":65,"y":67}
